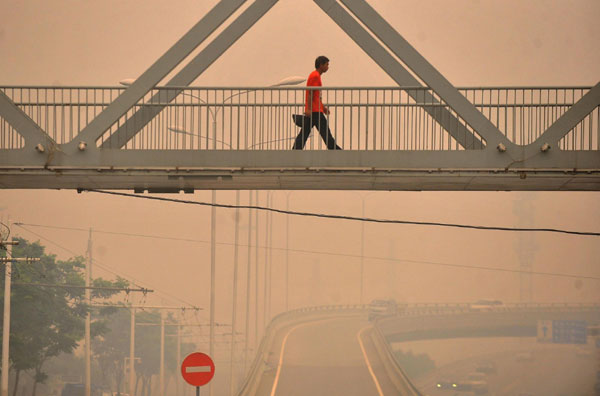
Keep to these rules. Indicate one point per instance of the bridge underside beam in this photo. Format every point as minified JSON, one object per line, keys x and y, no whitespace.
{"x":174,"y":181}
{"x":308,"y":170}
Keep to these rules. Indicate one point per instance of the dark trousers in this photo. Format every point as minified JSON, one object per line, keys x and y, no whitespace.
{"x":317,"y":119}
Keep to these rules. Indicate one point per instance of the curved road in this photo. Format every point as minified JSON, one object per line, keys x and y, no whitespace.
{"x":333,"y":356}
{"x":554,"y":370}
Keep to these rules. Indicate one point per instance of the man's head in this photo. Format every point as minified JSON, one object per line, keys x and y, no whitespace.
{"x":322,"y":64}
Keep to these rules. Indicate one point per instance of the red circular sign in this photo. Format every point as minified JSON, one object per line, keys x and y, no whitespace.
{"x":197,"y":369}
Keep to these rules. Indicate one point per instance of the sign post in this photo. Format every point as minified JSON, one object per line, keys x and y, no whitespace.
{"x":197,"y":369}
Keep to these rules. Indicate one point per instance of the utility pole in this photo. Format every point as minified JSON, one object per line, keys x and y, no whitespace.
{"x":256,"y":276}
{"x":7,"y":290}
{"x":213,"y":241}
{"x":235,"y":285}
{"x":132,"y":353}
{"x":162,"y":354}
{"x":362,"y":252}
{"x":269,"y":307}
{"x":88,"y":318}
{"x":178,"y":378}
{"x":248,"y":273}
{"x":266,"y":271}
{"x":132,"y":341}
{"x":6,"y":326}
{"x":287,"y":252}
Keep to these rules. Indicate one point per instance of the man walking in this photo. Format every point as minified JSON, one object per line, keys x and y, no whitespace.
{"x":315,"y":110}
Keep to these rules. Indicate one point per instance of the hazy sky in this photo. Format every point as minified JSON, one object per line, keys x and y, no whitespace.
{"x":473,"y":43}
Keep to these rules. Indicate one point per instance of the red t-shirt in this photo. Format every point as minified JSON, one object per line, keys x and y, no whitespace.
{"x":314,"y":104}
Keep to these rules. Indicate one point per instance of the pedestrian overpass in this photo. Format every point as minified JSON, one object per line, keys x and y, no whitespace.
{"x":421,"y":134}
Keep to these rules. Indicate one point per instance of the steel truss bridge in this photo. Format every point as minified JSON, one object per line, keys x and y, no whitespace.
{"x":422,"y":134}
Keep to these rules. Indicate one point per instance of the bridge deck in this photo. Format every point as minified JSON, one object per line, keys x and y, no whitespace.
{"x":393,"y":138}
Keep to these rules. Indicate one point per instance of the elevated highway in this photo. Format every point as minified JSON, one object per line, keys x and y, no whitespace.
{"x":325,"y":351}
{"x":336,"y":350}
{"x":455,"y":321}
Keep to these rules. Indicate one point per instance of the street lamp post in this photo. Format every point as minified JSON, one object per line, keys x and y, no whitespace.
{"x":213,"y":242}
{"x":362,"y":247}
{"x":266,"y":271}
{"x":287,"y":240}
{"x":235,"y":281}
{"x":287,"y":251}
{"x":284,"y":82}
{"x":248,"y":273}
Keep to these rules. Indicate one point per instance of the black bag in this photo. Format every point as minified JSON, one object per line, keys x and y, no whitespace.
{"x":301,"y":119}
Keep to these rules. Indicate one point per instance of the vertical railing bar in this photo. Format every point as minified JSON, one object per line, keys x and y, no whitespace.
{"x":573,"y":132}
{"x":55,"y":127}
{"x":598,"y":128}
{"x":351,"y":118}
{"x":593,"y":121}
{"x":254,"y":122}
{"x":406,"y":111}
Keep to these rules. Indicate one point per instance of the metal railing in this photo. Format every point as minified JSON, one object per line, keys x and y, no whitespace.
{"x":258,"y":118}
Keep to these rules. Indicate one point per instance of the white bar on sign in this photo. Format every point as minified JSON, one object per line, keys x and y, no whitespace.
{"x":198,"y":369}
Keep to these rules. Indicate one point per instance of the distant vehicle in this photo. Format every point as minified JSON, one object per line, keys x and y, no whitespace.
{"x":486,"y":305}
{"x":524,"y":357}
{"x":381,"y":308}
{"x":486,"y":368}
{"x":445,"y":384}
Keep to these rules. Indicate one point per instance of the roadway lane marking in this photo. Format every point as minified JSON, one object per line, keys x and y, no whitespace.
{"x":280,"y":364}
{"x":364,"y":352}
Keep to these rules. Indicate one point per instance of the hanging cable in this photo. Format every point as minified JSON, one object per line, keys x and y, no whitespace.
{"x":341,"y":217}
{"x":306,"y":251}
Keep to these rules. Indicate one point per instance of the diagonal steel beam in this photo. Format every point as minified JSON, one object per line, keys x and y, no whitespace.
{"x":399,"y":74}
{"x":426,"y":72}
{"x":571,"y":117}
{"x":22,"y":123}
{"x":189,"y":73}
{"x":163,"y":66}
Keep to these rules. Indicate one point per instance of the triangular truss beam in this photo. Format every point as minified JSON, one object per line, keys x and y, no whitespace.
{"x":381,"y":55}
{"x":565,"y":123}
{"x":189,"y":73}
{"x":380,"y":28}
{"x":362,"y":24}
{"x":22,"y":123}
{"x":151,"y":77}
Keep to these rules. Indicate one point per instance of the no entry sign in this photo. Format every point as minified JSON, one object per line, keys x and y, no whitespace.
{"x":197,"y":369}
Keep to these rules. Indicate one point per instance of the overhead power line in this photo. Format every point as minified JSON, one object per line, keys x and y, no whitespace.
{"x":65,"y":286}
{"x":335,"y":254}
{"x":351,"y":218}
{"x":106,"y":268}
